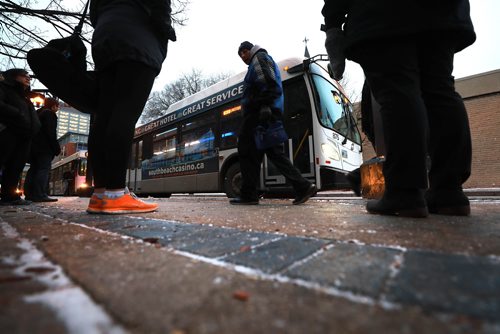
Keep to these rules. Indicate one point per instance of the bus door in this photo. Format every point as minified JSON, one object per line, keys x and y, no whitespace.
{"x":298,"y":125}
{"x":134,"y":171}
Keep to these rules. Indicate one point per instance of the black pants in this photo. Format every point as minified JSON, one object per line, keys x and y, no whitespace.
{"x":37,"y":178}
{"x":251,"y":160}
{"x":14,"y":152}
{"x":123,"y":91}
{"x":422,"y":114}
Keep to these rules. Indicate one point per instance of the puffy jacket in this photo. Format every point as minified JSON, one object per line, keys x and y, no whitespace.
{"x":130,"y":30}
{"x":16,"y":110}
{"x":159,"y":12}
{"x":364,"y":20}
{"x":262,"y":84}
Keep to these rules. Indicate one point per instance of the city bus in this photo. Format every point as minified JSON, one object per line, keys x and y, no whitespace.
{"x":68,"y":174}
{"x":193,"y":147}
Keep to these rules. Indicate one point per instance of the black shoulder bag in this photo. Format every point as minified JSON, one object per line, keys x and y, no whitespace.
{"x":62,"y":67}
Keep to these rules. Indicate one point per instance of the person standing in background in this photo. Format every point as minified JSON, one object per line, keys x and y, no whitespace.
{"x":43,"y":150}
{"x":18,"y":124}
{"x":406,"y":50}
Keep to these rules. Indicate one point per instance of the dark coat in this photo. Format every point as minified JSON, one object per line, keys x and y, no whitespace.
{"x":16,"y":110}
{"x":130,"y":30}
{"x":45,"y":142}
{"x":262,"y":84}
{"x":368,"y":20}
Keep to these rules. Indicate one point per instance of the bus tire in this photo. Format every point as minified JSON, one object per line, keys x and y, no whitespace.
{"x":232,"y":181}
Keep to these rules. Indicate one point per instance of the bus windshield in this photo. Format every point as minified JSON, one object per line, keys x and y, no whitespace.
{"x":334,"y":110}
{"x":82,"y":167}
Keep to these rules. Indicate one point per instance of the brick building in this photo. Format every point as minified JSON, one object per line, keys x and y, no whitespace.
{"x":481,"y":94}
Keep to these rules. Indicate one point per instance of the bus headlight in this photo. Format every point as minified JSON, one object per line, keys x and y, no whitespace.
{"x":330,"y":151}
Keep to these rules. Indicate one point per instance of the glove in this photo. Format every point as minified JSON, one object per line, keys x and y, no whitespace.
{"x":265,"y":114}
{"x":334,"y":45}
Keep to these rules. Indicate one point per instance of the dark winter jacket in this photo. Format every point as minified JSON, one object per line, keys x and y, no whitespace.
{"x":45,"y":142}
{"x":262,"y":84}
{"x":16,"y":110}
{"x":364,"y":20}
{"x":130,"y":30}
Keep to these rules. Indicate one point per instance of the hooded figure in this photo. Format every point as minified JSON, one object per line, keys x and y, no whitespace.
{"x":19,"y":123}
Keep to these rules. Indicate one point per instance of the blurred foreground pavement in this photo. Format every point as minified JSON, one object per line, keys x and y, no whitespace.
{"x":200,"y":265}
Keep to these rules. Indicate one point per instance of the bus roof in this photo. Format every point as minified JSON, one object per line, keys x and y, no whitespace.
{"x":74,"y":156}
{"x":231,"y":81}
{"x":219,"y":93}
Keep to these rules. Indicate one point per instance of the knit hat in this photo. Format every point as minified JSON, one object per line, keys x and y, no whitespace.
{"x":246,"y":45}
{"x":13,"y":73}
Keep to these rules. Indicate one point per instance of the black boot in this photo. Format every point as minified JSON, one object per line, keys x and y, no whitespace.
{"x":400,"y":202}
{"x":452,"y":202}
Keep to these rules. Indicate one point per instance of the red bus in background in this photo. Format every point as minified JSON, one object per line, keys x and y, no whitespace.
{"x":67,"y":175}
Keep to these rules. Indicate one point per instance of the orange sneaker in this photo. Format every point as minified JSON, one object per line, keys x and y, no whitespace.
{"x":128,"y":203}
{"x":95,"y":205}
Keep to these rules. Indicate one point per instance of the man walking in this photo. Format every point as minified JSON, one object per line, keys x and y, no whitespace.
{"x":263,"y":102}
{"x":44,"y":148}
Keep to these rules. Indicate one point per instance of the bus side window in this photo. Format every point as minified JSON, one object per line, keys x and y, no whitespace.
{"x":147,"y":147}
{"x":230,"y":120}
{"x":139,"y":154}
{"x":164,"y":144}
{"x":132,"y":164}
{"x":197,"y":139}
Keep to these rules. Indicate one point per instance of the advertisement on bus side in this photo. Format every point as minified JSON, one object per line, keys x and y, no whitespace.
{"x":208,"y":165}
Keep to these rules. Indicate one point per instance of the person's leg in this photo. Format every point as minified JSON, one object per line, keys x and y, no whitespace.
{"x":250,"y":160}
{"x":28,"y":181}
{"x":41,"y":176}
{"x":277,"y":156}
{"x":13,"y":168}
{"x":124,"y":90}
{"x":450,"y":145}
{"x":303,"y":188}
{"x":97,"y":134}
{"x":6,"y":136}
{"x":392,"y":70}
{"x":131,"y":87}
{"x":31,"y":186}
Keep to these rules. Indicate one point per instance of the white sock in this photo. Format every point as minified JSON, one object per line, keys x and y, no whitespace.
{"x":99,"y":195}
{"x":114,"y":193}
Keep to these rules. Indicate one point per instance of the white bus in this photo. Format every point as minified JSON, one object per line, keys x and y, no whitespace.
{"x":192,"y":148}
{"x":68,"y":174}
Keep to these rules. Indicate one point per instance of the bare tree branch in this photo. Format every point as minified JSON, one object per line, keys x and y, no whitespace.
{"x":28,"y":24}
{"x":186,"y":85}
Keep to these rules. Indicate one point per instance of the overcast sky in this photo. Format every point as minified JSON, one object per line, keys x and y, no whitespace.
{"x":215,"y":29}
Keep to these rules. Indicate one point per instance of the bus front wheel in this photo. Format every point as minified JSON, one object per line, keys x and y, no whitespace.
{"x":232,"y":181}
